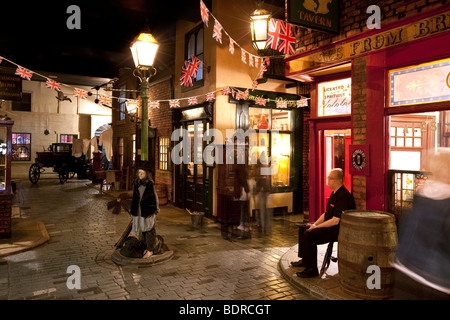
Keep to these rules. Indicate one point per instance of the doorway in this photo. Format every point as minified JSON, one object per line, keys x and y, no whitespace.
{"x":334,"y":149}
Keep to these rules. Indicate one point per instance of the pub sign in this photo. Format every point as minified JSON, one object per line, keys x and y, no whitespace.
{"x":10,"y":87}
{"x":315,"y":14}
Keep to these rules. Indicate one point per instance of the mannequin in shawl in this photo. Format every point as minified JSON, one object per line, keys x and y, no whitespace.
{"x":144,"y":208}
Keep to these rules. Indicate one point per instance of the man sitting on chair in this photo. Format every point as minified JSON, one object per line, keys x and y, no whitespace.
{"x":326,"y":228}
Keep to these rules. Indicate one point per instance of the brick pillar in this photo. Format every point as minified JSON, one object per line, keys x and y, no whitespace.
{"x":359,"y":99}
{"x":5,"y":216}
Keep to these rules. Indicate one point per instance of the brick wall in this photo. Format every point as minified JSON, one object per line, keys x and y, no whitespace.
{"x":353,"y":19}
{"x":359,"y":98}
{"x":161,"y":119}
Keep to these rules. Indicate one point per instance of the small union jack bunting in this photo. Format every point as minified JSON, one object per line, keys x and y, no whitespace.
{"x":243,"y":56}
{"x":281,"y":104}
{"x":107,"y":101}
{"x":231,"y":46}
{"x":52,"y":84}
{"x":153,"y":104}
{"x":256,"y":62}
{"x":174,"y":103}
{"x":210,"y":96}
{"x":250,"y":60}
{"x":226,"y":91}
{"x":254,"y":85}
{"x":261,"y":101}
{"x":204,"y":12}
{"x":81,"y":94}
{"x":192,"y":101}
{"x":24,"y":73}
{"x":262,"y":70}
{"x":217,"y":32}
{"x":302,"y":103}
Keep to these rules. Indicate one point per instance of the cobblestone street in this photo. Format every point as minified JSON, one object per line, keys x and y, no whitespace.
{"x":83,"y":232}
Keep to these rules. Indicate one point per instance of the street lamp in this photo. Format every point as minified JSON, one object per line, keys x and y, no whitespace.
{"x":143,"y":49}
{"x":259,"y":22}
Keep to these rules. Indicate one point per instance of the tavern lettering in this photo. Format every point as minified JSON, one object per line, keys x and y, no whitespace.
{"x":314,"y":18}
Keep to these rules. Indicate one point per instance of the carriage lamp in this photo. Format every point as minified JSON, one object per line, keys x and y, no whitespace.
{"x":259,"y":23}
{"x":143,"y":50}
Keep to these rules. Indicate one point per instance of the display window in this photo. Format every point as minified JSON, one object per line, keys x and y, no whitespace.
{"x":271,"y":139}
{"x":21,"y":146}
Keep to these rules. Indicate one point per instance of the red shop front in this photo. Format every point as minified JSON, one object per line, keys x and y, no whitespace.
{"x":380,"y":104}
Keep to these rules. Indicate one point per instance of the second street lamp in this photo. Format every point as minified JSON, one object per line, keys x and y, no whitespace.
{"x":144,"y":49}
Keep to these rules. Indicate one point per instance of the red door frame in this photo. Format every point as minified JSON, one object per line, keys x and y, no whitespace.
{"x":317,"y":159}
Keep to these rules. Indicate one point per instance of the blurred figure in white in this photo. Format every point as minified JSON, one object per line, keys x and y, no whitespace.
{"x":423,"y":253}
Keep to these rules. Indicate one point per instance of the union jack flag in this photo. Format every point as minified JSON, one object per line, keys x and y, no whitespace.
{"x":281,"y":36}
{"x":52,"y":84}
{"x":204,"y":12}
{"x":226,"y":91}
{"x":240,"y":95}
{"x":302,"y":103}
{"x":78,"y":93}
{"x":231,"y":46}
{"x":24,"y":73}
{"x":243,"y":56}
{"x":217,"y":32}
{"x":153,"y":104}
{"x":132,"y":103}
{"x":174,"y":103}
{"x":189,"y":71}
{"x":261,"y":101}
{"x":281,"y":104}
{"x":254,"y":84}
{"x":107,"y":101}
{"x":250,"y":60}
{"x":192,"y":101}
{"x":210,"y":96}
{"x":256,"y":62}
{"x":262,"y":70}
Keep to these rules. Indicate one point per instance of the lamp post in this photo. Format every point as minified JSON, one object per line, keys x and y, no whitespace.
{"x":259,"y":23}
{"x":144,"y":49}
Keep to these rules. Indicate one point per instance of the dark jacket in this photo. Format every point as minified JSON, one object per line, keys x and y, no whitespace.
{"x":148,"y":202}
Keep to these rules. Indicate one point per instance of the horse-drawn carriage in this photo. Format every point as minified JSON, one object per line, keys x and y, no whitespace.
{"x":59,"y":157}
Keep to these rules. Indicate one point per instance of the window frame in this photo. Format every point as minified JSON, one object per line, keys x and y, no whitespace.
{"x":163,"y":153}
{"x":200,"y":55}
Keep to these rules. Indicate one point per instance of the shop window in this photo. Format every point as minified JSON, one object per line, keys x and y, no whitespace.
{"x":334,"y":98}
{"x":271,"y":138}
{"x":194,"y":46}
{"x":67,"y":138}
{"x":24,"y":104}
{"x":164,"y":143}
{"x":21,"y":147}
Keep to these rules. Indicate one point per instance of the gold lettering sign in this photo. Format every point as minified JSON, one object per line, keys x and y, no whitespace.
{"x":413,"y":31}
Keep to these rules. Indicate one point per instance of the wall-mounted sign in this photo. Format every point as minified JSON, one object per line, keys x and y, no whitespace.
{"x":10,"y":87}
{"x":321,"y":15}
{"x":334,"y":98}
{"x":359,"y":160}
{"x":350,"y":48}
{"x":424,"y":83}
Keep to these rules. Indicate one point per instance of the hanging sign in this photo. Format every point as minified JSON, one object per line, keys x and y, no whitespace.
{"x":10,"y":87}
{"x":321,"y":15}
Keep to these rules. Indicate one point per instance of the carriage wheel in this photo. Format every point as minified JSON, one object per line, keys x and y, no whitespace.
{"x":34,"y":173}
{"x":63,"y":174}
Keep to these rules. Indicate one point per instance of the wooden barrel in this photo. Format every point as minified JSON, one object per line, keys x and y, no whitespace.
{"x":367,"y":238}
{"x":161,"y":191}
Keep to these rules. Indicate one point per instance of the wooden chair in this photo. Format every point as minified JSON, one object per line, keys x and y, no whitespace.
{"x":327,"y":259}
{"x":111,"y":180}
